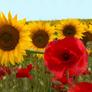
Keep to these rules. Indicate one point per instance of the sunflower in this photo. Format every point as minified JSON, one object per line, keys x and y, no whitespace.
{"x":41,"y":33}
{"x":14,"y":39}
{"x":87,"y":39}
{"x":70,"y":27}
{"x":87,"y":34}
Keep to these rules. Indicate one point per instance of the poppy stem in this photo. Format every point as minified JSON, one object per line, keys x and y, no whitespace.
{"x":76,"y":79}
{"x":67,"y":74}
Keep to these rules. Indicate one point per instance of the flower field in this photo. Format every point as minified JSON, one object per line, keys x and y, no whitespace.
{"x":41,"y":81}
{"x":45,"y":56}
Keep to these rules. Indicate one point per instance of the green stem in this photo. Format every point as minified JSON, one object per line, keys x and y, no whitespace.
{"x":35,"y":52}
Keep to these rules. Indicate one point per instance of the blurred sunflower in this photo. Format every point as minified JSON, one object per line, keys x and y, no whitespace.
{"x":41,"y":34}
{"x":14,"y":39}
{"x":87,"y":39}
{"x":70,"y":27}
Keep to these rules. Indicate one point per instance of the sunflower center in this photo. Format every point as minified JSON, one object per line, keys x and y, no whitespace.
{"x":40,"y":39}
{"x":69,"y":30}
{"x":87,"y":37}
{"x":9,"y":37}
{"x":6,"y":37}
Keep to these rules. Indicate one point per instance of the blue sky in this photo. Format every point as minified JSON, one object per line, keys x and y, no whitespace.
{"x":48,"y":9}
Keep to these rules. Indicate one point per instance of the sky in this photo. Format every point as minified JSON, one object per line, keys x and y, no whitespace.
{"x":47,"y":9}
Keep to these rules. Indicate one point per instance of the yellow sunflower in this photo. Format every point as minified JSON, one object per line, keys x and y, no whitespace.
{"x":89,"y":48}
{"x":14,"y":39}
{"x":41,"y":33}
{"x":87,"y":35}
{"x":90,"y":53}
{"x":70,"y":27}
{"x":87,"y":39}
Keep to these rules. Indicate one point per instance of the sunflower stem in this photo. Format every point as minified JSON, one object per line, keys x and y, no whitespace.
{"x":35,"y":52}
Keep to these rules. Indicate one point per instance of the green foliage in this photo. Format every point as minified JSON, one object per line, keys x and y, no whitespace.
{"x":41,"y":81}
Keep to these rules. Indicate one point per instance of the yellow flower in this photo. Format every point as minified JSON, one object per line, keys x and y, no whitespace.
{"x":41,"y":34}
{"x":90,"y":53}
{"x":70,"y":27}
{"x":14,"y":39}
{"x":87,"y":34}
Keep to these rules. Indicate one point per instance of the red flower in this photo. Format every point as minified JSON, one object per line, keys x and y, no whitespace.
{"x":81,"y":87}
{"x":87,"y":72}
{"x":66,"y":55}
{"x":58,"y":87}
{"x":4,"y":71}
{"x":64,"y":80}
{"x":24,"y":72}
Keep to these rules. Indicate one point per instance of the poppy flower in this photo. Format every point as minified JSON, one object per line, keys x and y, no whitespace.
{"x":66,"y":56}
{"x":81,"y":87}
{"x":87,"y":72}
{"x":4,"y":71}
{"x":64,"y":80}
{"x":24,"y":72}
{"x":58,"y":87}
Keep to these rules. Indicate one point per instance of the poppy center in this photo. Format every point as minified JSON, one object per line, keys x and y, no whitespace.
{"x":69,"y":30}
{"x":66,"y":56}
{"x":40,"y":39}
{"x":9,"y":37}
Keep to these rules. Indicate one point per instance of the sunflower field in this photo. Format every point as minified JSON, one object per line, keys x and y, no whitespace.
{"x":45,"y":56}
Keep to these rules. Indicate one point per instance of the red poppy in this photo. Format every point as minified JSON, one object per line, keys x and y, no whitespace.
{"x":64,"y":80}
{"x":58,"y":87}
{"x":66,"y":55}
{"x":87,"y":72}
{"x":24,"y":72}
{"x":81,"y":87}
{"x":4,"y":71}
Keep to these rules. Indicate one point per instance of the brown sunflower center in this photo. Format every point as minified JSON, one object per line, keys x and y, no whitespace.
{"x":69,"y":30}
{"x":9,"y":37}
{"x":40,"y":39}
{"x":87,"y":37}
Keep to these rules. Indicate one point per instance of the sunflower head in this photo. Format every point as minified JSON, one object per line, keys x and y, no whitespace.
{"x":87,"y":35}
{"x":41,"y":34}
{"x":9,"y":37}
{"x":70,"y":27}
{"x":40,"y":38}
{"x":14,"y":39}
{"x":69,"y":30}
